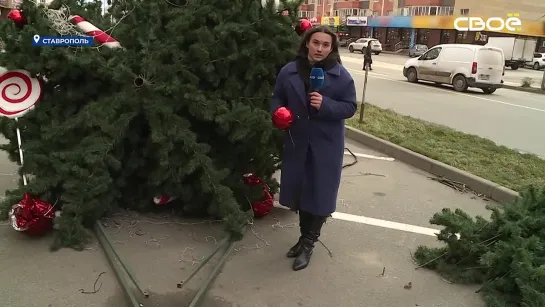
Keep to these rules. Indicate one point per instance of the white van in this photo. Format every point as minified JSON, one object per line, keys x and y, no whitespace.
{"x":461,"y":65}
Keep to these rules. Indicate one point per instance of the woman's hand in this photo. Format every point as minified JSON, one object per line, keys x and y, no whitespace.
{"x":316,"y":100}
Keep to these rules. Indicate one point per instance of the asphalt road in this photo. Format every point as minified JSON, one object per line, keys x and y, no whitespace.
{"x":512,"y":77}
{"x":512,"y":118}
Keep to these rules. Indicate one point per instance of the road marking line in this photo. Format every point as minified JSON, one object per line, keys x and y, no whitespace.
{"x":378,"y":222}
{"x":359,"y":155}
{"x":444,"y":90}
{"x":385,"y":224}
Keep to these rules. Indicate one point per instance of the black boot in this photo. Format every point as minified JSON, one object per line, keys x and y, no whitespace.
{"x":295,"y":250}
{"x":307,"y":243}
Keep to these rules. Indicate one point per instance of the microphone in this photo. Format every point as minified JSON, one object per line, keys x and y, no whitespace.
{"x":316,"y":83}
{"x":316,"y":79}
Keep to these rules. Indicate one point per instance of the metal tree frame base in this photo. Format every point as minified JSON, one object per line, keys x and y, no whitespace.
{"x":128,"y":282}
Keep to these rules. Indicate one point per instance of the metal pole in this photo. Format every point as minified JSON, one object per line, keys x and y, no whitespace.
{"x":543,"y":80}
{"x":382,"y":9}
{"x":362,"y":107}
{"x":116,"y":266}
{"x":20,"y":143}
{"x":197,"y":301}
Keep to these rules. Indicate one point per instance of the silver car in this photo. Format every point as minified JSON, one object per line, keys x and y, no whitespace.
{"x":417,"y":50}
{"x":362,"y":43}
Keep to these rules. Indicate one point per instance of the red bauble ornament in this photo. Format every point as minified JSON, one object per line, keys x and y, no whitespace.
{"x":282,"y":118}
{"x":17,"y":17}
{"x":303,"y":26}
{"x":264,"y":206}
{"x":32,"y":216}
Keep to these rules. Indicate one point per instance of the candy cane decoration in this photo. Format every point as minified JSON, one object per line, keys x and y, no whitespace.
{"x":163,"y":199}
{"x":89,"y":29}
{"x":19,"y":92}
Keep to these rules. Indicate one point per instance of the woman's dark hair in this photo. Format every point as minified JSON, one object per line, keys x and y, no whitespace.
{"x":303,"y":50}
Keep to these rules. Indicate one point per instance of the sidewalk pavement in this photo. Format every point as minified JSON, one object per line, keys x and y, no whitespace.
{"x":352,"y":276}
{"x":370,"y":265}
{"x":34,"y":276}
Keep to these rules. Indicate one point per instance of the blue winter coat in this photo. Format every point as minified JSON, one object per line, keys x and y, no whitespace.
{"x":314,"y":146}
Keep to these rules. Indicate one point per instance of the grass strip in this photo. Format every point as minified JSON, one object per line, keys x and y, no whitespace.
{"x":467,"y":152}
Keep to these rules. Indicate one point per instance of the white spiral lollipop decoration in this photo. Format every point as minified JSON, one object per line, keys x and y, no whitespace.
{"x":19,"y":92}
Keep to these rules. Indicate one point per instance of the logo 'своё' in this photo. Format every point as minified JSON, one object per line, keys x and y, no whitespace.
{"x":512,"y":23}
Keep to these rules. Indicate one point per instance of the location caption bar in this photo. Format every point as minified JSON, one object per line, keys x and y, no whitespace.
{"x":62,"y":41}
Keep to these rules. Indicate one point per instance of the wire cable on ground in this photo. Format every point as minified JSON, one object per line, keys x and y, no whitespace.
{"x":353,"y":156}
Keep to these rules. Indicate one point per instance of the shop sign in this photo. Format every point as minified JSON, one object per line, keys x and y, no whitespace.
{"x":331,"y":21}
{"x":358,"y":21}
{"x":315,"y":20}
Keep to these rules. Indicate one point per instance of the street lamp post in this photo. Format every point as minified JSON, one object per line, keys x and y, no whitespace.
{"x":362,"y":106}
{"x":543,"y":78}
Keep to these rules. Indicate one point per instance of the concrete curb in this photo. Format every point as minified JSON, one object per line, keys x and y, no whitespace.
{"x":525,"y":89}
{"x":480,"y":185}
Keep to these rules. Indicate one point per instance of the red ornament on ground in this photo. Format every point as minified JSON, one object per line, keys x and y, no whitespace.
{"x":264,"y":206}
{"x":17,"y":17}
{"x":282,"y":118}
{"x":32,"y":216}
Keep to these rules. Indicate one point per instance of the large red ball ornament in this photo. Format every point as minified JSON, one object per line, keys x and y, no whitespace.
{"x":17,"y":17}
{"x":282,"y":118}
{"x":303,"y":26}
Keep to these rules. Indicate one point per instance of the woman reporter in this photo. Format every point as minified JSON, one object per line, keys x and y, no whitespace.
{"x":314,"y":145}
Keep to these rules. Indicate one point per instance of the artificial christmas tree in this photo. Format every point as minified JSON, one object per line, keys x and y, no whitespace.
{"x":180,"y":109}
{"x":506,"y":253}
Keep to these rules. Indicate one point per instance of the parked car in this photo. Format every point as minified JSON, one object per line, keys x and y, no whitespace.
{"x":461,"y":65}
{"x":417,"y":50}
{"x":362,"y":43}
{"x":343,"y":38}
{"x":349,"y":41}
{"x":538,"y":62}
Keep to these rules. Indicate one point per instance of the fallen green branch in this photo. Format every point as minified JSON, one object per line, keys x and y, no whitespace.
{"x":505,"y":254}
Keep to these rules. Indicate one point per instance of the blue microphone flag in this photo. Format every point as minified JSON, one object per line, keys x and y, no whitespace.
{"x":316,"y":79}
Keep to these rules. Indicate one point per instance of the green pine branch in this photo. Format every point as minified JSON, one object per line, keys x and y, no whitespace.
{"x":181,"y":110}
{"x":505,"y":254}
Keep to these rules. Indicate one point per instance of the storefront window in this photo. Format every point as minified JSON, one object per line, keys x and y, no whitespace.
{"x":422,"y":36}
{"x":392,"y":37}
{"x":406,"y":37}
{"x":445,"y":36}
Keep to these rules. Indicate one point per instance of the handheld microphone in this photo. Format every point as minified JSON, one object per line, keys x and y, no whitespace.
{"x":317,"y":79}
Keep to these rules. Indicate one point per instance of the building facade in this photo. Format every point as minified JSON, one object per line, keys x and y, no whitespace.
{"x":7,"y":5}
{"x":532,"y":10}
{"x":527,"y":9}
{"x":398,"y":24}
